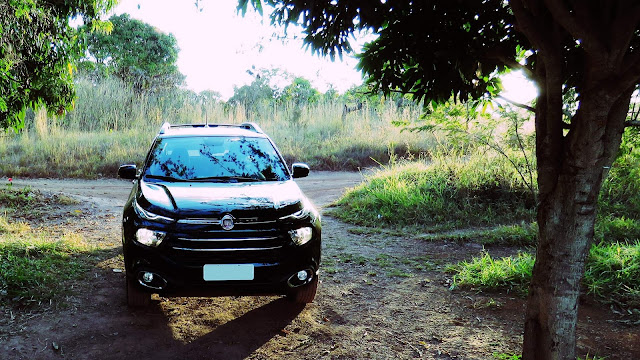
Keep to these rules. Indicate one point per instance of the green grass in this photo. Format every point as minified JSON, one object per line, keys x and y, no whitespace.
{"x":484,"y":272}
{"x":26,"y":202}
{"x":620,"y":194}
{"x":455,"y":191}
{"x":608,"y":230}
{"x":612,"y":273}
{"x":35,"y":266}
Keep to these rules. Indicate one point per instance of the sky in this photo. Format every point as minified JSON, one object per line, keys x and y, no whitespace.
{"x":218,"y":46}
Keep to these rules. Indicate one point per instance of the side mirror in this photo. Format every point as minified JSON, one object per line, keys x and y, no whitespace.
{"x":300,"y":170}
{"x":128,"y":172}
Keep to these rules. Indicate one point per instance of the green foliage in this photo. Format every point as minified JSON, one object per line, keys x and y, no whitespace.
{"x":620,"y":194}
{"x":113,"y":104}
{"x":16,"y":198}
{"x":137,"y":53}
{"x":503,"y":356}
{"x":472,"y":190}
{"x":612,"y":229}
{"x":468,"y":126}
{"x":37,"y":50}
{"x":416,"y":51}
{"x":252,"y":97}
{"x":299,"y":93}
{"x":511,"y":273}
{"x":612,"y":272}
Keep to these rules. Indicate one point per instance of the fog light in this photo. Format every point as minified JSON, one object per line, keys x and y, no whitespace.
{"x":302,"y":275}
{"x":147,"y":277}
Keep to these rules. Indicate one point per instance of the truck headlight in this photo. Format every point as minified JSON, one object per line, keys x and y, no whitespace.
{"x":148,"y":237}
{"x":301,"y":236}
{"x":147,"y":215}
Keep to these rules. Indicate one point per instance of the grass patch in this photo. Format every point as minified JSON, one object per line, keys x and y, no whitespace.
{"x":612,"y":229}
{"x":485,"y":272}
{"x":608,"y":229}
{"x":620,"y":194}
{"x":7,"y":227}
{"x":29,"y":203}
{"x":474,"y":190}
{"x":73,"y":154}
{"x":612,"y":273}
{"x":34,"y":266}
{"x":14,"y":198}
{"x":505,"y":356}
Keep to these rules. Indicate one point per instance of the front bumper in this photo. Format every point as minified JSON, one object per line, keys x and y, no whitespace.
{"x":173,"y":276}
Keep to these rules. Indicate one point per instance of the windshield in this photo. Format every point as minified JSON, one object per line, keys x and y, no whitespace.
{"x":215,"y":158}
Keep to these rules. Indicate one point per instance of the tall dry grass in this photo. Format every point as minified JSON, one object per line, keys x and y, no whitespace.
{"x":112,"y":125}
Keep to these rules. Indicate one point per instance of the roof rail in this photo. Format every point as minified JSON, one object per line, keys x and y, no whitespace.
{"x":251,"y":126}
{"x":245,"y":125}
{"x":164,"y":127}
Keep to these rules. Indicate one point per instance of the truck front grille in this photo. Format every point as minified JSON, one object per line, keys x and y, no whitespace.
{"x":251,"y":240}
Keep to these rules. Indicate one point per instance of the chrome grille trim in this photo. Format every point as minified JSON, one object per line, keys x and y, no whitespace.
{"x":199,"y":221}
{"x":230,"y":239}
{"x":213,"y":221}
{"x":228,"y":249}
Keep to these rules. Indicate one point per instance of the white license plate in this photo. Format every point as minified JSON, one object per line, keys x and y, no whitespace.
{"x":224,"y":272}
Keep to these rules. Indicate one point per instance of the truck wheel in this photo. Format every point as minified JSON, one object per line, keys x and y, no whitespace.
{"x":306,"y":293}
{"x":136,"y":298}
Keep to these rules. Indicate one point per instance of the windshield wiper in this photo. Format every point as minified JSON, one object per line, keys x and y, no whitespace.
{"x":164,"y":178}
{"x":226,"y":179}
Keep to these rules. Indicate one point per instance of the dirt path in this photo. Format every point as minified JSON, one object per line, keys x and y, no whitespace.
{"x":383,"y":295}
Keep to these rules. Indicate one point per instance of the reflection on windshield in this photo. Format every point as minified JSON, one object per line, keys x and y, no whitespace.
{"x":215,"y":159}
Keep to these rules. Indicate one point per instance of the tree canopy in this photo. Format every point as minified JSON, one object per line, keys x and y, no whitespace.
{"x":38,"y":48}
{"x":136,"y":52}
{"x":440,"y":49}
{"x":299,"y":92}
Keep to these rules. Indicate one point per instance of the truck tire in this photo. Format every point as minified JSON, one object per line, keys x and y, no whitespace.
{"x":136,"y":298}
{"x":306,"y":293}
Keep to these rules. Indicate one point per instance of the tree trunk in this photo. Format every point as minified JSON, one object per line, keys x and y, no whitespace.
{"x":566,"y":222}
{"x":571,"y":169}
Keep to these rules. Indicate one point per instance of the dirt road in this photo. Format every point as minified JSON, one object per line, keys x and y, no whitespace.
{"x":383,"y":295}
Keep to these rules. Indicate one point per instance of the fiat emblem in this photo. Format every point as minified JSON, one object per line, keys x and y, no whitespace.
{"x":227,"y":222}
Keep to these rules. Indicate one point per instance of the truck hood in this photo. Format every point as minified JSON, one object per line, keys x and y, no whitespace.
{"x":211,"y":199}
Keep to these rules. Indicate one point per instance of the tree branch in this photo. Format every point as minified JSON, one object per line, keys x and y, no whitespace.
{"x":628,"y":77}
{"x":531,"y":21}
{"x":526,"y":23}
{"x":582,"y":32}
{"x":632,"y":123}
{"x":520,"y":105}
{"x":624,"y":25}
